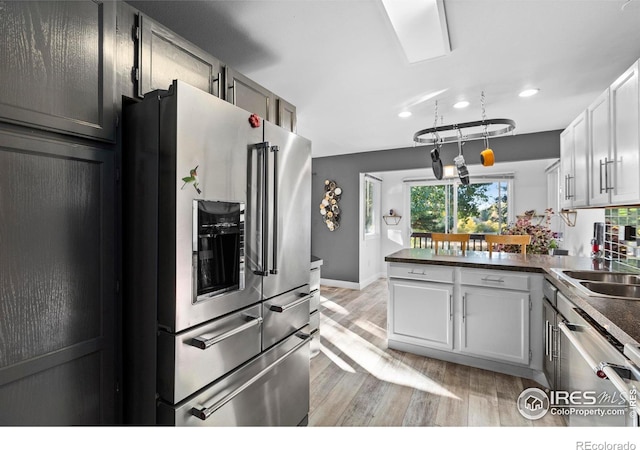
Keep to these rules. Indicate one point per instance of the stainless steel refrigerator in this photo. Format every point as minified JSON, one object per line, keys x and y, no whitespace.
{"x":216,"y":250}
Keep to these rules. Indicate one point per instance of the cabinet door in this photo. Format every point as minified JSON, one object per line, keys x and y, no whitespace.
{"x":625,"y":121}
{"x":580,"y":180}
{"x":599,"y":147}
{"x":495,"y":324}
{"x":57,"y":301}
{"x":286,"y":115}
{"x":566,"y":167}
{"x":164,"y":56}
{"x":57,"y":66}
{"x":248,"y":95}
{"x":421,"y":313}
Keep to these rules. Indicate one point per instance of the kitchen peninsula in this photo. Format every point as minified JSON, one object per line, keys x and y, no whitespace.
{"x":487,"y":311}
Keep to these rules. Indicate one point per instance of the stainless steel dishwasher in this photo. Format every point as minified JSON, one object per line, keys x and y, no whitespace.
{"x":551,"y":344}
{"x":600,"y":378}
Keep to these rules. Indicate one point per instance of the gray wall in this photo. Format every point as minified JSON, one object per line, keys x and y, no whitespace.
{"x":339,"y":249}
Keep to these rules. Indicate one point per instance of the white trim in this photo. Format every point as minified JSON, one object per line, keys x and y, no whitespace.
{"x":371,"y":279}
{"x":340,"y":284}
{"x":351,"y":284}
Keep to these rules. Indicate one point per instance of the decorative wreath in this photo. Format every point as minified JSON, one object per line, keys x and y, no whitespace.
{"x":329,"y":209}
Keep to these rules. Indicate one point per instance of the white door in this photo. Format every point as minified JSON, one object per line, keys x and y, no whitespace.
{"x":421,"y":313}
{"x":599,"y":144}
{"x":495,"y":324}
{"x":625,"y":142}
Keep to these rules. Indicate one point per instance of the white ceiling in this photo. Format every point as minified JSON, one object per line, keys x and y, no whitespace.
{"x":341,"y":64}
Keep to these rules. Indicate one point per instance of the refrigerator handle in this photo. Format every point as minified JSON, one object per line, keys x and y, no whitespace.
{"x":262,"y":199}
{"x":265,"y":209}
{"x":274,"y":268}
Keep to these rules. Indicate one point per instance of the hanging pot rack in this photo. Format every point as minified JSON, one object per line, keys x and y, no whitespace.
{"x":432,"y":135}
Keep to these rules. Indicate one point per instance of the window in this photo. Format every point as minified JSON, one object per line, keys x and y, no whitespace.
{"x":480,"y":207}
{"x":371,"y":201}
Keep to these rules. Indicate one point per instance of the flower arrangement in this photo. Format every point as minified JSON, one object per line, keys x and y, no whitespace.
{"x":542,"y":238}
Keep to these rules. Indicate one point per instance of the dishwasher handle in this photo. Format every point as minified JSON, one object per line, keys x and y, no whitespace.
{"x":628,"y":393}
{"x":569,"y":330}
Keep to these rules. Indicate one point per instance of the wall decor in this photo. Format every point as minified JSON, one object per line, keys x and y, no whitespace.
{"x":329,"y":208}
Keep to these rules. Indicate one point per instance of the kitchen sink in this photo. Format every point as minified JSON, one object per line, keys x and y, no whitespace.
{"x":605,"y":277}
{"x":596,"y":283}
{"x":627,"y":291}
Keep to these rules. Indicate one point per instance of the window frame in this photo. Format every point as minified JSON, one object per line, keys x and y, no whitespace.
{"x":506,"y":178}
{"x":376,"y":216}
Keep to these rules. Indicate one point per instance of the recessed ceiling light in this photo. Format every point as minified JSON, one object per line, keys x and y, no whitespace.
{"x":462,"y":104}
{"x":529,"y":92}
{"x":404,"y":114}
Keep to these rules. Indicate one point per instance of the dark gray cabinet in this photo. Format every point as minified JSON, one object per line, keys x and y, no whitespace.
{"x":164,"y":56}
{"x":286,"y":115}
{"x":57,"y":284}
{"x":56,"y":66}
{"x":249,"y":95}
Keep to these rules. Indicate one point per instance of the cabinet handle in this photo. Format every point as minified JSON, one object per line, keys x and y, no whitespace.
{"x":494,"y":280}
{"x":417,"y":273}
{"x":464,"y":307}
{"x":450,"y":307}
{"x":555,"y":349}
{"x":220,"y":86}
{"x":602,"y":164}
{"x":569,"y":194}
{"x":607,"y":188}
{"x":546,"y":338}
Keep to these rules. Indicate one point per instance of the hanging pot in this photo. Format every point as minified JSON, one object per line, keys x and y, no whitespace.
{"x":436,"y":164}
{"x":486,"y":157}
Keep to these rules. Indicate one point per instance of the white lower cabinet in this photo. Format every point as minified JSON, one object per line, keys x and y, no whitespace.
{"x":421,"y":312}
{"x":483,"y":318}
{"x":495,"y":324}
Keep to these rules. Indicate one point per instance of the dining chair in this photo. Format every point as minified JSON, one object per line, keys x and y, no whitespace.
{"x":508,"y":239}
{"x":463,"y":238}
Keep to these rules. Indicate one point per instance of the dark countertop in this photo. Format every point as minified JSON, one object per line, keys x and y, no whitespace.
{"x":619,"y":317}
{"x":315,"y":262}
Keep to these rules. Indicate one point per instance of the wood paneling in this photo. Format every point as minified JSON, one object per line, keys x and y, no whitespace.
{"x":57,"y":66}
{"x":56,"y":272}
{"x":67,"y":394}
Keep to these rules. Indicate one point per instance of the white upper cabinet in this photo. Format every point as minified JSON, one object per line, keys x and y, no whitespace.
{"x":573,"y":161}
{"x":610,"y":155}
{"x":599,"y":149}
{"x":624,"y":169}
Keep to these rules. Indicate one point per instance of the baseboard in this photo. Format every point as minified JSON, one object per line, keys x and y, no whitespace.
{"x":509,"y":369}
{"x":352,"y":284}
{"x":340,"y":283}
{"x":368,"y":281}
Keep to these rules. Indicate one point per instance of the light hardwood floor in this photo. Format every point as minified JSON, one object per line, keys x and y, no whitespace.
{"x":357,"y":381}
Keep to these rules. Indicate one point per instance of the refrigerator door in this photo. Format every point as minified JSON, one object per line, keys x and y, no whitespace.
{"x":203,"y":156}
{"x":289,"y":211}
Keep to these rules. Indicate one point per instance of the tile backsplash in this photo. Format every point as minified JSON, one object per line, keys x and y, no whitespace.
{"x":621,"y":236}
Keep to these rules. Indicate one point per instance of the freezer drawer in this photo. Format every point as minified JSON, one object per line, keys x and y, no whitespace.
{"x":270,"y":390}
{"x":191,"y":360}
{"x":284,"y":315}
